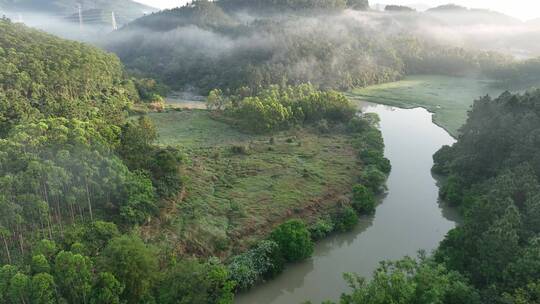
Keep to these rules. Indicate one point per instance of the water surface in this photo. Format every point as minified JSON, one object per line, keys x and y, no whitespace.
{"x":410,"y":217}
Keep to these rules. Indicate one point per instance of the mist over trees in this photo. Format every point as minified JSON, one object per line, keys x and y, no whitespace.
{"x":82,"y":182}
{"x":207,"y":45}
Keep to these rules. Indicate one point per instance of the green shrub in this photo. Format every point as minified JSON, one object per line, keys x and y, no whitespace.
{"x":262,"y":261}
{"x":452,"y":191}
{"x":345,"y":219}
{"x":193,"y":282}
{"x":321,"y":229}
{"x":363,"y":199}
{"x":294,"y":240}
{"x":373,"y":178}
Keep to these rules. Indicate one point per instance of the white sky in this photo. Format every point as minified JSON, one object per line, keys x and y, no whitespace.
{"x":523,"y":9}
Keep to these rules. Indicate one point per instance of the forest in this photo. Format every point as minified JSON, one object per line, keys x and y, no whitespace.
{"x":330,"y":49}
{"x":110,"y":194}
{"x":492,"y":177}
{"x":82,"y":180}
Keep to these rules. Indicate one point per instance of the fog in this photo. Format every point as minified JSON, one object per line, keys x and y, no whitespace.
{"x":92,"y":30}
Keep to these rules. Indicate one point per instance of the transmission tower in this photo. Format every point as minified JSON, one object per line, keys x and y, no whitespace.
{"x":114,"y":24}
{"x":79,"y":6}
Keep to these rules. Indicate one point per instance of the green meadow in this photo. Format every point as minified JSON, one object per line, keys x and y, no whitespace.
{"x":448,"y":98}
{"x":241,"y":185}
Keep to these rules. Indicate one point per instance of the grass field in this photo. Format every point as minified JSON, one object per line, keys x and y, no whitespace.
{"x":235,"y":197}
{"x":449,"y":98}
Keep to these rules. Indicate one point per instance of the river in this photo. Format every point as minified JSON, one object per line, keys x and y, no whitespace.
{"x":409,"y":218}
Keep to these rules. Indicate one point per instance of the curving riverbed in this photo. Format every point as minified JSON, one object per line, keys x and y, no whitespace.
{"x":409,"y":218}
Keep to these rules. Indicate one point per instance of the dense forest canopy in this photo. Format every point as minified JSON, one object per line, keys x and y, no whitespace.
{"x":398,"y":8}
{"x":70,"y":160}
{"x":280,"y":5}
{"x":493,"y":177}
{"x":202,"y":46}
{"x":44,"y":76}
{"x":81,"y":180}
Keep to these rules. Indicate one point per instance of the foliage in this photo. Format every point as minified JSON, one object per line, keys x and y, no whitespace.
{"x":262,"y":261}
{"x":345,"y":219}
{"x":43,"y":289}
{"x":207,"y":45}
{"x":321,"y":228}
{"x":363,"y":200}
{"x":190,"y":281}
{"x":296,"y":5}
{"x":140,"y":203}
{"x":294,"y":240}
{"x":520,"y":74}
{"x":149,"y":90}
{"x":133,"y":263}
{"x":139,"y":153}
{"x":493,"y":177}
{"x":279,"y":108}
{"x":40,"y":264}
{"x":73,"y":275}
{"x":373,"y":178}
{"x":44,"y":76}
{"x":398,"y":8}
{"x":106,"y":289}
{"x":410,"y":281}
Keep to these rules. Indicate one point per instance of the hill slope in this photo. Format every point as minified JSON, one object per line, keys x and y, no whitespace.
{"x":45,"y":76}
{"x":126,"y":7}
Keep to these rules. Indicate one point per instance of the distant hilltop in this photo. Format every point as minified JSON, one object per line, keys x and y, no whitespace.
{"x":126,"y":10}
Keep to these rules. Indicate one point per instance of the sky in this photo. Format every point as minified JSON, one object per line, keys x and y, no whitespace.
{"x":523,"y":9}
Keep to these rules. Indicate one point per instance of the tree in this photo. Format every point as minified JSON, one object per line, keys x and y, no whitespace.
{"x":73,"y":276}
{"x":345,"y":219}
{"x":96,"y":235}
{"x":140,"y":199}
{"x":215,"y":100}
{"x":40,"y":264}
{"x":133,"y":264}
{"x":410,"y":281}
{"x":373,"y":178}
{"x":43,"y":289}
{"x":136,"y":142}
{"x":294,"y":240}
{"x":6,"y":274}
{"x":193,"y":282}
{"x":46,"y":248}
{"x":19,"y":289}
{"x":106,"y":289}
{"x":363,"y":200}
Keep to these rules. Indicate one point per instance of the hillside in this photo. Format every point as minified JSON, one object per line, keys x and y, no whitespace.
{"x":201,"y":46}
{"x":45,"y":76}
{"x":125,"y":8}
{"x":459,"y":15}
{"x":100,"y":207}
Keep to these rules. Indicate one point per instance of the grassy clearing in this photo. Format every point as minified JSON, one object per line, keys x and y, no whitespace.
{"x":233,"y":198}
{"x":449,"y":98}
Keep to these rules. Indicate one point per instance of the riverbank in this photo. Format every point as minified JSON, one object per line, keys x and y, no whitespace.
{"x":242,"y":185}
{"x":410,"y":139}
{"x":448,"y":98}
